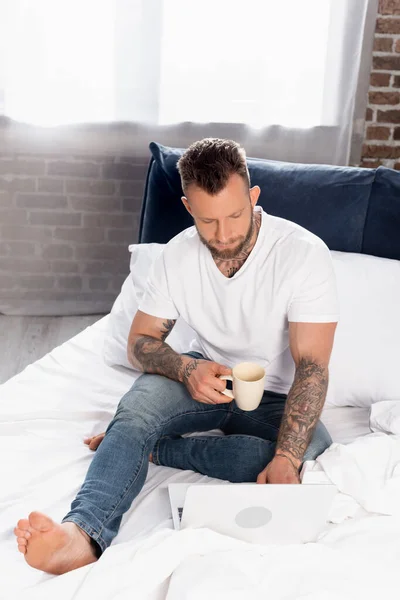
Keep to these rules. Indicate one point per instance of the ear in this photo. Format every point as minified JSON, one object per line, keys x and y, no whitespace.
{"x":187,"y":205}
{"x":255,"y":192}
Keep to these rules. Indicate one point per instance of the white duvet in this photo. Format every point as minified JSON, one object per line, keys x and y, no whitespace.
{"x":47,"y":410}
{"x":357,"y":558}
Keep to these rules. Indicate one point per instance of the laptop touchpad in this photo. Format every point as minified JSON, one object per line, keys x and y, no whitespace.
{"x":253,"y":516}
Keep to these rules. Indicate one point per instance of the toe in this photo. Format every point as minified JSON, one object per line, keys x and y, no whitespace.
{"x":22,"y":541}
{"x":40,"y":522}
{"x":22,"y":549}
{"x":23,"y":524}
{"x":22,"y":533}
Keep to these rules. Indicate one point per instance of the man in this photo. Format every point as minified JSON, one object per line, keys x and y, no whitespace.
{"x":250,"y":285}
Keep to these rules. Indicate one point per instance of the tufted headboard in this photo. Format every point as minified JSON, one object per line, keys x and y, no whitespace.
{"x":351,"y":209}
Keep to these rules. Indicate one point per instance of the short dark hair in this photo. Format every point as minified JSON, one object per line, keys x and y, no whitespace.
{"x":210,"y":162}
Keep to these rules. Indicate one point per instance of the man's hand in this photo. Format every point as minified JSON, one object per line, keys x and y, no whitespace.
{"x":94,"y":441}
{"x":279,"y":470}
{"x":202,"y":381}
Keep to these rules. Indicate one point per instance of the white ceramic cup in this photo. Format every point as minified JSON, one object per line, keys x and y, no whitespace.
{"x":248,"y":385}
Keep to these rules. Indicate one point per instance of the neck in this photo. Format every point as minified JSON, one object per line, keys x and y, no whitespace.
{"x":230,"y":266}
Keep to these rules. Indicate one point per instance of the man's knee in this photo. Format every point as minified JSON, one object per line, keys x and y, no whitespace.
{"x":149,"y":401}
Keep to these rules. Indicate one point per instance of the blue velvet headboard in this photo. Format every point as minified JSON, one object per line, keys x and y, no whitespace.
{"x":351,"y":209}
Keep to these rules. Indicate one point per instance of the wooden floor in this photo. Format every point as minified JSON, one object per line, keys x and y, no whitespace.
{"x":26,"y":339}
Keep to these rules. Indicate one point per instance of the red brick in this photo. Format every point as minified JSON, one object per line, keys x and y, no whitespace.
{"x":387,"y":25}
{"x":384,"y":97}
{"x":368,"y":114}
{"x":396,"y":134}
{"x":389,"y":7}
{"x":396,"y":81}
{"x":370,"y":164}
{"x":378,"y":133}
{"x":388,"y":62}
{"x":380,"y":79}
{"x":383,"y":151}
{"x":388,"y":116}
{"x":383,"y":44}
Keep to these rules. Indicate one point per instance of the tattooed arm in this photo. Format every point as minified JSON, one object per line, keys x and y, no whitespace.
{"x":311,"y":347}
{"x":148,"y":351}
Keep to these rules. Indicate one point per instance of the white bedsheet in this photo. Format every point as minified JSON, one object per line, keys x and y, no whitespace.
{"x":45,"y":412}
{"x":357,"y":558}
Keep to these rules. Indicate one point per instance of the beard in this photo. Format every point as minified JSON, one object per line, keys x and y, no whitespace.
{"x":242,"y":243}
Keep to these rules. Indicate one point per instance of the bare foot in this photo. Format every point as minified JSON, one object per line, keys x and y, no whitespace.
{"x":52,"y":547}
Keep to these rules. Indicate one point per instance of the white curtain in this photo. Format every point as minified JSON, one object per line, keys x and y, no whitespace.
{"x":280,"y":77}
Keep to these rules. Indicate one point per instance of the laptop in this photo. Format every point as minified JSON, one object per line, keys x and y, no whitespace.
{"x":261,"y":514}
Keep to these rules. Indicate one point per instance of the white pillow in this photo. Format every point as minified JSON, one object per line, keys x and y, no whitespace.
{"x":385,"y":416}
{"x":366,"y":353}
{"x":126,"y":305}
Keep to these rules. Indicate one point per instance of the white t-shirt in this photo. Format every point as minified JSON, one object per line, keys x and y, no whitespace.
{"x":288,"y":276}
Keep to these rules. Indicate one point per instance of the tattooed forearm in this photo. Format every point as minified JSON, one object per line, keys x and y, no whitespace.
{"x":303,"y":408}
{"x":152,"y":355}
{"x":155,"y":356}
{"x":168,"y":327}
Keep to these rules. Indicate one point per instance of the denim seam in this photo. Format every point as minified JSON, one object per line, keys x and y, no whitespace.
{"x":156,"y":450}
{"x":192,"y":412}
{"x":260,"y":422}
{"x":229,"y":414}
{"x":219,"y":438}
{"x":128,"y":486}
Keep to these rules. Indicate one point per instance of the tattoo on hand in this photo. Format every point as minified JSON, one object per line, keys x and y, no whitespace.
{"x":303,"y":408}
{"x":188,"y":370}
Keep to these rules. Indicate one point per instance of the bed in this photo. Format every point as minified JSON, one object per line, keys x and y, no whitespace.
{"x":47,"y":410}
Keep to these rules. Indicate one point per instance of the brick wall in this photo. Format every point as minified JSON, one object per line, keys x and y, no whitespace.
{"x":382,"y":128}
{"x":65,"y":224}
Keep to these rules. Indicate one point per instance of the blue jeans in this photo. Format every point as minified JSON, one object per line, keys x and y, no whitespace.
{"x":152,"y":417}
